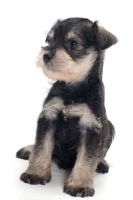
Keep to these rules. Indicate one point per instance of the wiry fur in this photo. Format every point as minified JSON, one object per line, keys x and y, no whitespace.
{"x":72,"y":128}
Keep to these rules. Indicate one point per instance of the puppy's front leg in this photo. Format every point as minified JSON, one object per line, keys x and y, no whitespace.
{"x":39,"y":171}
{"x":80,"y":181}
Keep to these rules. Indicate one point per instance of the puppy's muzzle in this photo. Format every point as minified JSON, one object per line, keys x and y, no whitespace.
{"x":47,"y":57}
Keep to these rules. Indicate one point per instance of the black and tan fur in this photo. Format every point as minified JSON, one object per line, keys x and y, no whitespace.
{"x":72,"y":128}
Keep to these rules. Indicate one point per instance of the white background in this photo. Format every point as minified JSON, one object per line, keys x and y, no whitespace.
{"x":23,"y":87}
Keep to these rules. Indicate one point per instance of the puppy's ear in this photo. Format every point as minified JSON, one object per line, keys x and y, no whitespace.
{"x":105,"y":39}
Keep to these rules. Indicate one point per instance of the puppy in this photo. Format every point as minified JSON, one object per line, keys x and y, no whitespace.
{"x":72,"y":128}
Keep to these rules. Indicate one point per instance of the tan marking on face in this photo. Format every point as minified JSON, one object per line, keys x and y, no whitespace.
{"x":39,"y":61}
{"x":51,"y":34}
{"x":71,"y":35}
{"x":62,"y":67}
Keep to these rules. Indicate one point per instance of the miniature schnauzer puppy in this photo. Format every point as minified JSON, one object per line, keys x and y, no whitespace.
{"x":72,"y":128}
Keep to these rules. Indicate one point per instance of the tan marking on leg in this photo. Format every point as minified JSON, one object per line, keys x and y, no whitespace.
{"x":52,"y":108}
{"x":103,"y":161}
{"x":87,"y":118}
{"x":84,"y":170}
{"x":40,"y":158}
{"x":28,"y":148}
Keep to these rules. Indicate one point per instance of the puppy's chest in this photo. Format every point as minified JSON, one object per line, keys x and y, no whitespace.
{"x":55,"y":106}
{"x":72,"y":110}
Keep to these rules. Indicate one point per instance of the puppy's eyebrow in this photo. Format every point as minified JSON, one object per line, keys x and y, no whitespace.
{"x":51,"y":34}
{"x":75,"y":38}
{"x":47,"y":39}
{"x":71,"y":34}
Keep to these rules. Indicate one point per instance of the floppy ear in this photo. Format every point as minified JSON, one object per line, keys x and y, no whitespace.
{"x":105,"y":39}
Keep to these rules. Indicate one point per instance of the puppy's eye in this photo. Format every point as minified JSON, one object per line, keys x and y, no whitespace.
{"x":73,"y":44}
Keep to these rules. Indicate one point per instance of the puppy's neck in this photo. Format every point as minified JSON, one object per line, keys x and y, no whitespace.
{"x":93,"y":74}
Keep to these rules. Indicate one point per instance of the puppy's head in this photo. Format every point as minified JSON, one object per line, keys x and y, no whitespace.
{"x":73,"y":46}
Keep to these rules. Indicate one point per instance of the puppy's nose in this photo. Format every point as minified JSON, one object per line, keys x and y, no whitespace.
{"x":47,"y":57}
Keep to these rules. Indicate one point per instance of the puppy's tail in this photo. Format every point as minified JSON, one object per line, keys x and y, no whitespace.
{"x":24,"y":153}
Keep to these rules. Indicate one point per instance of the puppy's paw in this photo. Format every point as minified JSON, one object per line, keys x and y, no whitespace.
{"x":102,"y":168}
{"x":78,"y":191}
{"x":25,"y":152}
{"x":34,"y":179}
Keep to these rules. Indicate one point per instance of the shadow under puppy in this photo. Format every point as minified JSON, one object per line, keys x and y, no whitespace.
{"x":72,"y":128}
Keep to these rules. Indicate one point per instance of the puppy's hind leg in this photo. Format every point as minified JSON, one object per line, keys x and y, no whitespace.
{"x":24,"y":153}
{"x":102,"y":166}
